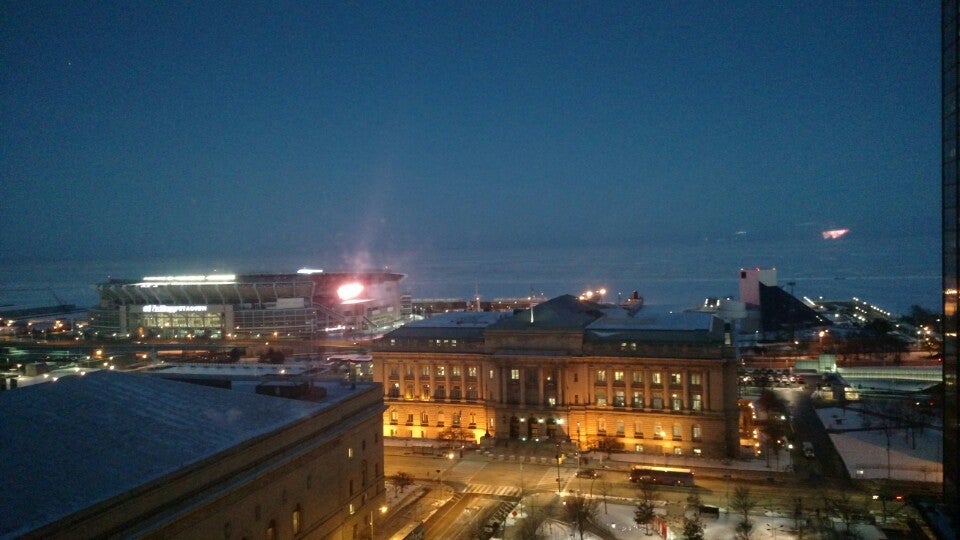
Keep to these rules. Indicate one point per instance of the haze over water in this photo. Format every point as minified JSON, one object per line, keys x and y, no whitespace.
{"x":893,"y":274}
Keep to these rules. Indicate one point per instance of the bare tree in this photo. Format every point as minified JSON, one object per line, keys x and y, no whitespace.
{"x":885,"y":419}
{"x":604,"y":489}
{"x":846,"y":509}
{"x":744,"y":529}
{"x":530,"y":524}
{"x":743,"y":503}
{"x":581,"y":512}
{"x":401,"y":480}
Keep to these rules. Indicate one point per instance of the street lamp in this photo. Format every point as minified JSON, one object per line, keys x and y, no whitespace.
{"x":558,"y":468}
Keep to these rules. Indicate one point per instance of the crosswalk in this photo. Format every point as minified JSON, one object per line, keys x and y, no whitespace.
{"x":499,"y":491}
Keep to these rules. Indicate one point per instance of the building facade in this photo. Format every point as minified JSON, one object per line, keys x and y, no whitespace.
{"x":951,"y":244}
{"x":566,"y":371}
{"x":153,"y":458}
{"x":302,"y":305}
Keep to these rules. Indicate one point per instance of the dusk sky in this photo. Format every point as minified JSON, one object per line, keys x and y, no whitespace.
{"x":143,"y":128}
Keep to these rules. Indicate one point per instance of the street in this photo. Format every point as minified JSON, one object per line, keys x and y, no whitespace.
{"x":474,"y":486}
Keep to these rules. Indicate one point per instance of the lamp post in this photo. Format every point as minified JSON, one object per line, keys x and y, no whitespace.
{"x":558,"y":469}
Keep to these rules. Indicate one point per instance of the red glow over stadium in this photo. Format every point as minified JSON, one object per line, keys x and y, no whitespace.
{"x":349,"y":291}
{"x":834,"y":234}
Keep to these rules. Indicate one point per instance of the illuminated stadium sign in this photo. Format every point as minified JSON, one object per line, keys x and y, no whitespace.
{"x":213,"y":279}
{"x":161,"y":308}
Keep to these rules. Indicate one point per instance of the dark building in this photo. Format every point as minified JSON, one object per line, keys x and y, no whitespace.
{"x":951,"y":273}
{"x":120,"y":455}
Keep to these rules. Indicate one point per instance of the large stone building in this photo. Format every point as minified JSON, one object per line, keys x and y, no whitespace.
{"x":566,"y":370}
{"x":119,"y":455}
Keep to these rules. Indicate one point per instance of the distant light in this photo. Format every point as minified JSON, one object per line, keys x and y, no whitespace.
{"x":833,"y":234}
{"x":153,"y":281}
{"x":310,"y":271}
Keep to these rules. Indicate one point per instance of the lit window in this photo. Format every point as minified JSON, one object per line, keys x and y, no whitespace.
{"x":656,"y":378}
{"x":676,"y":379}
{"x":350,"y":452}
{"x":618,"y":376}
{"x":601,"y":376}
{"x":352,"y":509}
{"x":637,"y":377}
{"x":696,"y":379}
{"x":515,"y":374}
{"x":295,"y":519}
{"x":601,"y":398}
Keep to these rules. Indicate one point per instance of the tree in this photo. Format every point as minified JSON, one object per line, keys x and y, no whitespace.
{"x":531,"y":523}
{"x":848,"y":511}
{"x":455,"y":434}
{"x":604,"y":488}
{"x":743,"y":530}
{"x":743,"y":502}
{"x":799,"y":523}
{"x":771,"y":403}
{"x":644,"y":512}
{"x":581,"y":512}
{"x":401,"y":480}
{"x":692,"y":528}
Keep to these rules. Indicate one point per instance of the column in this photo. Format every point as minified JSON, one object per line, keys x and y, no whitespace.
{"x":541,"y":399}
{"x":503,"y":383}
{"x":523,"y":386}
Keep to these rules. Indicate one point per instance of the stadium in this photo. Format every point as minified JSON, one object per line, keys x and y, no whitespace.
{"x":307,"y":304}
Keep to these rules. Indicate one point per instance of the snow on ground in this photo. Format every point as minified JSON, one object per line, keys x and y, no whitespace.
{"x":865,"y":452}
{"x":618,"y":518}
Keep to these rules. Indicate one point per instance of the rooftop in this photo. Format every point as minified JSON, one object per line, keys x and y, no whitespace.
{"x":84,"y":439}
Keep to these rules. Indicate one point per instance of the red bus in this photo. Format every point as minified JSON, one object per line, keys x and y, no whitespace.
{"x":664,"y":476}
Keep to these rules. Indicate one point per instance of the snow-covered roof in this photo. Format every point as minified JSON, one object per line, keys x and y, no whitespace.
{"x":652,"y":318}
{"x":67,"y":445}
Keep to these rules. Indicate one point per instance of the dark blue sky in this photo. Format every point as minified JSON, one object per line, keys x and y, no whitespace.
{"x":130,"y":128}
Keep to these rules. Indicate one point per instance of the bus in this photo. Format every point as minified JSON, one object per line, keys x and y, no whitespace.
{"x":664,"y":476}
